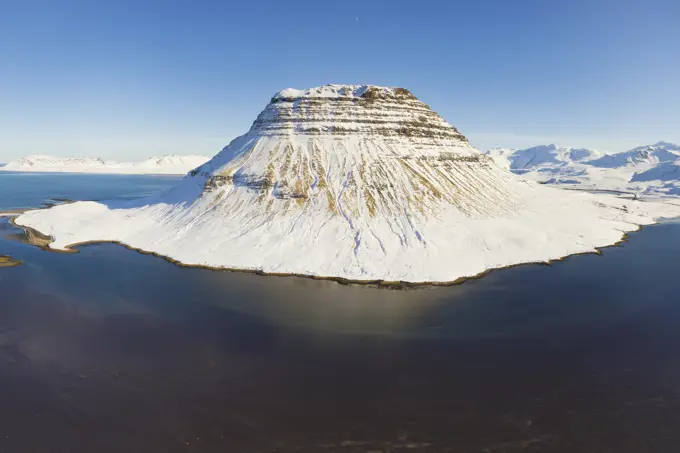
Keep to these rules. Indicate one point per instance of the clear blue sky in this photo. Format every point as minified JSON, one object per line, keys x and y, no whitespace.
{"x":129,"y":79}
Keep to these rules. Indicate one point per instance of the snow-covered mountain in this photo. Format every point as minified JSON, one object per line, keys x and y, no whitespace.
{"x":358,"y":182}
{"x":43,"y":161}
{"x":649,"y":169}
{"x":171,"y":164}
{"x":544,"y":156}
{"x":641,"y":156}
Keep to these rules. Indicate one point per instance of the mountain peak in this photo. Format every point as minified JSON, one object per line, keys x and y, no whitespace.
{"x":344,"y":92}
{"x":658,"y":146}
{"x":394,"y":114}
{"x":550,"y":147}
{"x":667,"y":145}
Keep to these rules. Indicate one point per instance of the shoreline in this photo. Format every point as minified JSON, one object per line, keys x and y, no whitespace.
{"x":13,"y":212}
{"x":52,"y":172}
{"x":43,"y":241}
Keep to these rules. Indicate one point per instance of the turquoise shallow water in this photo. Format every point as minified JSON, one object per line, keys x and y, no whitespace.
{"x":112,"y":350}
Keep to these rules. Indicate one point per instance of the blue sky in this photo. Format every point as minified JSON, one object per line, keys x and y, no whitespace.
{"x":129,"y":79}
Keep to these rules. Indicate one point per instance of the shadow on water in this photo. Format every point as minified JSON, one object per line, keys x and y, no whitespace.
{"x":109,"y":350}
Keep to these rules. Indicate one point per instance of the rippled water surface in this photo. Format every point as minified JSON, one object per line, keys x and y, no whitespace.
{"x":108,"y":350}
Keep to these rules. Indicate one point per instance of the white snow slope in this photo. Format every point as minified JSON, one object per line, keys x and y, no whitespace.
{"x":647,"y":170}
{"x":357,"y":182}
{"x":168,"y":165}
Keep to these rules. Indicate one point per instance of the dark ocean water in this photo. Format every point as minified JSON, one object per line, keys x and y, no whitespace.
{"x":108,"y":350}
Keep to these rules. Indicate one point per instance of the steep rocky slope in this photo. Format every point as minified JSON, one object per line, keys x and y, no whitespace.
{"x":358,"y":182}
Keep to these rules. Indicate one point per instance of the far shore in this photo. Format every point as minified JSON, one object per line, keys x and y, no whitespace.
{"x":12,"y":212}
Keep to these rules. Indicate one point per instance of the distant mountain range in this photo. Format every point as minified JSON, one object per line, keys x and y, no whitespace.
{"x":168,"y":165}
{"x":650,"y":169}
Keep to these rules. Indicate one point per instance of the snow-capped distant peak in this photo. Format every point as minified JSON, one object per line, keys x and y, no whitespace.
{"x":649,"y":169}
{"x":41,"y":160}
{"x":157,"y":165}
{"x":540,"y":156}
{"x":657,"y":146}
{"x":642,"y":155}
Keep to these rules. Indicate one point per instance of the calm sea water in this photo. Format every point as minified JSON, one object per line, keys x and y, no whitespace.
{"x":20,"y":190}
{"x":108,"y":350}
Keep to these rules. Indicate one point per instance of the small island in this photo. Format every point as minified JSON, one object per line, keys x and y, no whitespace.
{"x":358,"y":183}
{"x":8,"y":261}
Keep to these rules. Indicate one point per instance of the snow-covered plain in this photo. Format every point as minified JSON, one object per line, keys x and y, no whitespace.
{"x":166,"y":165}
{"x":356,"y":182}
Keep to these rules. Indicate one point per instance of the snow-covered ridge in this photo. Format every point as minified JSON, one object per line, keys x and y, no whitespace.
{"x":540,"y":156}
{"x":642,"y":155}
{"x":659,"y":145}
{"x":169,"y":165}
{"x":391,"y":192}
